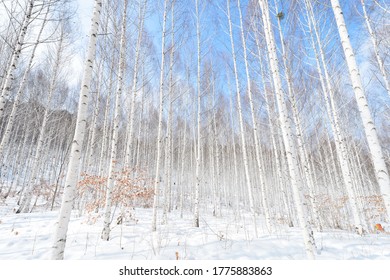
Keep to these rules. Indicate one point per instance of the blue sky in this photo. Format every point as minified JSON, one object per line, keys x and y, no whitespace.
{"x":215,"y":37}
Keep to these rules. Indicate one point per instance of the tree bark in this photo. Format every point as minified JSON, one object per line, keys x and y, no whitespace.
{"x":112,"y":170}
{"x":75,"y":153}
{"x":287,"y":135}
{"x":381,"y":172}
{"x":160,"y":121}
{"x":6,"y":89}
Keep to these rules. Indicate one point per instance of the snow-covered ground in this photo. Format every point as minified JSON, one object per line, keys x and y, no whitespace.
{"x":29,"y":236}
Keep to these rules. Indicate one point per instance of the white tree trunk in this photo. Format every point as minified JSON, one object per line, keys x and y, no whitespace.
{"x":26,"y":201}
{"x":115,"y":130}
{"x":235,"y":173}
{"x":183,"y":160}
{"x":279,"y":174}
{"x":199,"y":95}
{"x":287,"y":133}
{"x":107,"y":109}
{"x":75,"y":153}
{"x":134,"y":88}
{"x":217,"y":156}
{"x":241,"y":122}
{"x":307,"y":171}
{"x":375,"y":44}
{"x":378,"y":160}
{"x":140,"y":126}
{"x":91,"y":149}
{"x":6,"y":89}
{"x":264,"y":196}
{"x":160,"y":121}
{"x":331,"y":109}
{"x":106,"y":131}
{"x":11,"y":118}
{"x":168,"y":142}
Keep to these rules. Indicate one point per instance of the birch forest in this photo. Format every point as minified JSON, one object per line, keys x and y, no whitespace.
{"x":274,"y":112}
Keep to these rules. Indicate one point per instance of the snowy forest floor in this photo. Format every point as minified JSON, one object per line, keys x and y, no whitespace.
{"x":29,"y":236}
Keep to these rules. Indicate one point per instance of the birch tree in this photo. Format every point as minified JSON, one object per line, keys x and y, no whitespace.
{"x":198,"y":117}
{"x":279,"y":177}
{"x":375,"y":44}
{"x":328,"y":92}
{"x":160,"y":120}
{"x":6,"y":137}
{"x":168,"y":142}
{"x":25,"y":203}
{"x":307,"y":171}
{"x":287,"y":132}
{"x":6,"y":86}
{"x":135,"y":85}
{"x":75,"y":153}
{"x":381,"y":172}
{"x":255,"y":125}
{"x":241,"y":123}
{"x":114,"y":145}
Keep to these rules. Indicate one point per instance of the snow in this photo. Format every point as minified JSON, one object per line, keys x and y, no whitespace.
{"x":230,"y":237}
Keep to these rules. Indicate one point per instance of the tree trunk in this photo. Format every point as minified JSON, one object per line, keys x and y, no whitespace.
{"x":287,"y":133}
{"x":11,"y":118}
{"x":241,"y":122}
{"x":134,"y":87}
{"x":378,"y":160}
{"x":6,"y":89}
{"x":160,"y":122}
{"x":198,"y":120}
{"x":115,"y":130}
{"x":375,"y":44}
{"x":259,"y":160}
{"x":75,"y":153}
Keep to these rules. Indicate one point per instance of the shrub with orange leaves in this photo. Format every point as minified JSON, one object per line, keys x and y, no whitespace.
{"x":378,"y":227}
{"x":132,"y":188}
